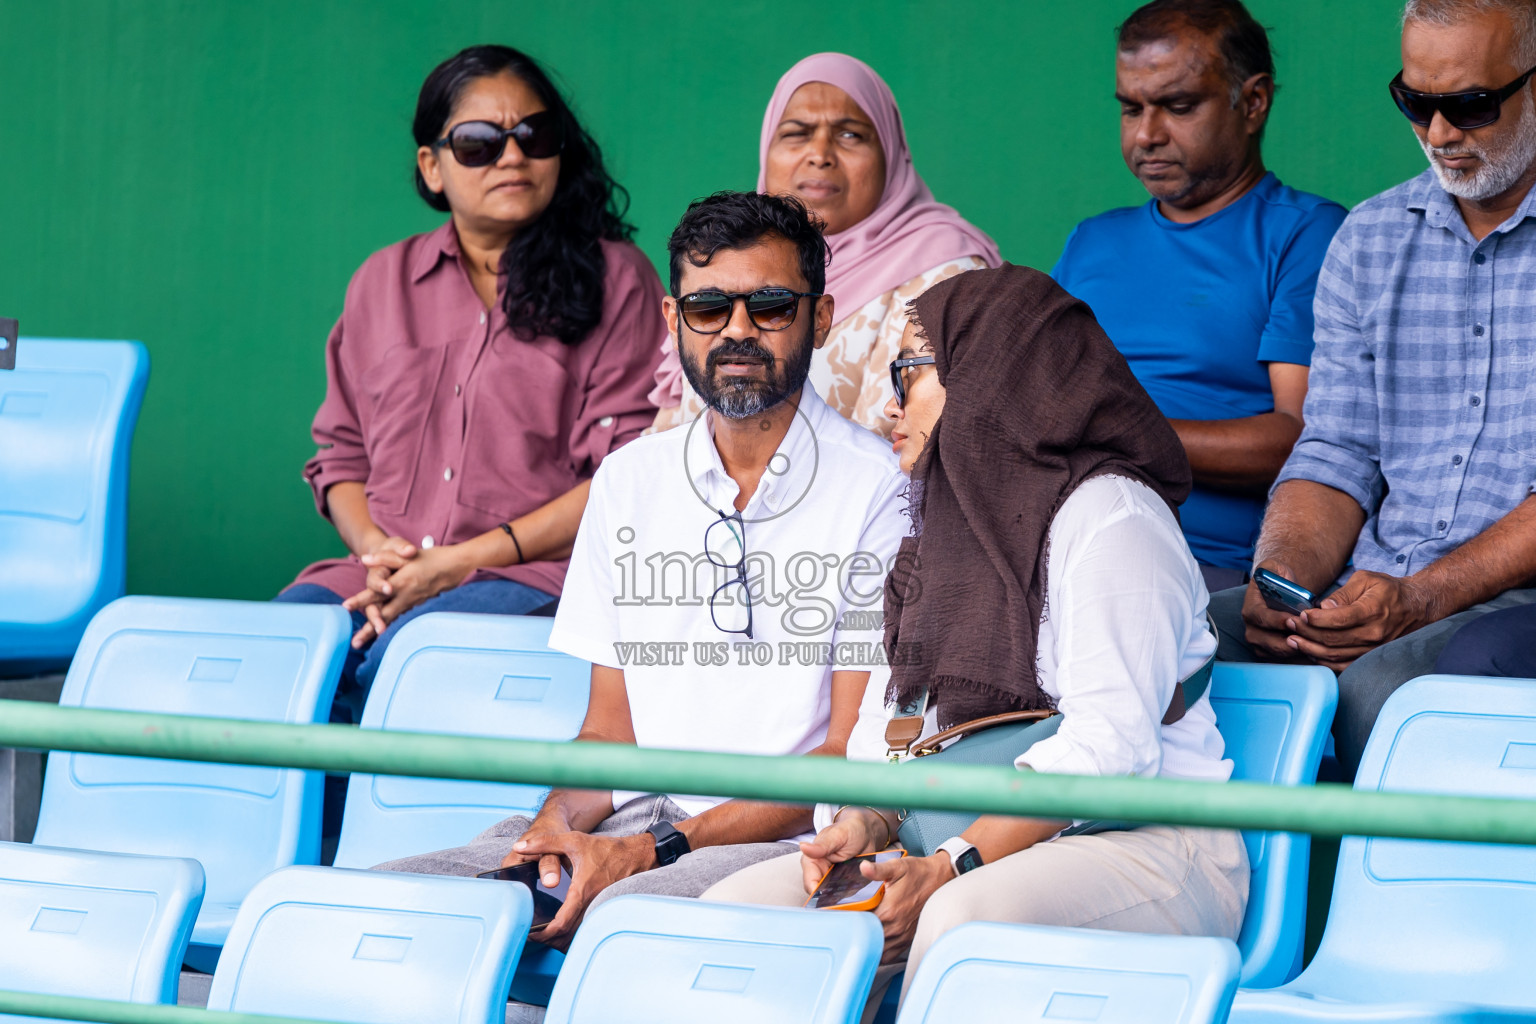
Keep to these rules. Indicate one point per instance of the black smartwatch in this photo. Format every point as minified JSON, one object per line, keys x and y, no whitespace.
{"x":670,"y":843}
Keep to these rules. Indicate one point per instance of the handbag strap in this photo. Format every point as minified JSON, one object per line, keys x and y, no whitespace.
{"x":903,"y":730}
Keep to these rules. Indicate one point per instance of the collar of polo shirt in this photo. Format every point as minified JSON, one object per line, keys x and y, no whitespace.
{"x":778,"y":491}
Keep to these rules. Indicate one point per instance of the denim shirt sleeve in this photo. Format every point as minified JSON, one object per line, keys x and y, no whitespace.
{"x":1339,"y":446}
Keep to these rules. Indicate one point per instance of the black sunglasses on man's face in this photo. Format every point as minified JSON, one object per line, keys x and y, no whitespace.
{"x":1475,"y":108}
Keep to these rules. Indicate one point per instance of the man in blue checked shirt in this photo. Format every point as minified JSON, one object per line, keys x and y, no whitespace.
{"x":1410,"y":486}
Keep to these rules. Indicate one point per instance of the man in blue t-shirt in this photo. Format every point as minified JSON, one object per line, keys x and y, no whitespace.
{"x":1207,"y":289}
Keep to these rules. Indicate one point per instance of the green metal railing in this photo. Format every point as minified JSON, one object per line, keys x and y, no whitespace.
{"x":108,"y":1011}
{"x":1325,"y":809}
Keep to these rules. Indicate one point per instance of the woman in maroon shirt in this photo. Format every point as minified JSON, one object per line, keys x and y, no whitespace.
{"x":480,"y":372}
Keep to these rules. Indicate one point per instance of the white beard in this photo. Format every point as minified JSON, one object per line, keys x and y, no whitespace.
{"x":1500,"y":169}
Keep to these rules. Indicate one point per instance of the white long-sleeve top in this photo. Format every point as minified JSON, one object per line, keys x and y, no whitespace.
{"x":1124,"y":621}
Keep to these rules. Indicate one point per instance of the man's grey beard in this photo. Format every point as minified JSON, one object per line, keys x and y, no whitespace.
{"x":748,"y":398}
{"x":1500,"y":169}
{"x":743,"y":404}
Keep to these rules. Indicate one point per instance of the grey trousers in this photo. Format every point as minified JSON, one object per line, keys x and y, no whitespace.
{"x":688,"y":876}
{"x":1365,"y":686}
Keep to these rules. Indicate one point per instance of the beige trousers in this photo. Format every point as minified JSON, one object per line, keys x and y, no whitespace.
{"x":1160,"y":879}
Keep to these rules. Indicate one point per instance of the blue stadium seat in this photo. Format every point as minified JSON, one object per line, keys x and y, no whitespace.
{"x":67,"y":414}
{"x":97,"y":925}
{"x":1421,"y":930}
{"x":475,"y":675}
{"x":1017,"y":973}
{"x":469,"y":675}
{"x":652,"y":960}
{"x":1275,"y":719}
{"x":373,"y":947}
{"x":237,"y":659}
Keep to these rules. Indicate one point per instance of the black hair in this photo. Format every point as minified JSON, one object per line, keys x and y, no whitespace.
{"x":554,"y":267}
{"x":1241,"y":41}
{"x":736,"y":220}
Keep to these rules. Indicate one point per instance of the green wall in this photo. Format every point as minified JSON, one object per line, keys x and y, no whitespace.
{"x":205,"y":176}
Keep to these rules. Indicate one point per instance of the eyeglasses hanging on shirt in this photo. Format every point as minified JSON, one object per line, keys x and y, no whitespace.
{"x":725,"y":545}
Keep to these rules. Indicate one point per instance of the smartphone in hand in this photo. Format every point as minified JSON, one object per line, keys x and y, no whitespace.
{"x":1281,"y":594}
{"x":845,"y":888}
{"x":546,"y":902}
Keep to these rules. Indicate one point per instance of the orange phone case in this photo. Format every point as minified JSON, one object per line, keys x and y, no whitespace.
{"x":869,"y":904}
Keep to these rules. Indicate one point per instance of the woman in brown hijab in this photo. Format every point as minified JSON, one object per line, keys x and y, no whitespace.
{"x":1046,"y":570}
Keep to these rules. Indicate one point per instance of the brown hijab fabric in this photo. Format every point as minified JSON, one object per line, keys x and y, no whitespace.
{"x":1037,"y":401}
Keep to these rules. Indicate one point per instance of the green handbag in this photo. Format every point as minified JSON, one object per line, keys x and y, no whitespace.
{"x":997,"y":740}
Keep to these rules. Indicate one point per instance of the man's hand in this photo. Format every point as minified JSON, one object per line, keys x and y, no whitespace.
{"x":596,"y":862}
{"x":1370,"y":610}
{"x":909,"y":883}
{"x":537,"y":835}
{"x":1268,"y":632}
{"x":854,"y":833}
{"x":397,"y":583}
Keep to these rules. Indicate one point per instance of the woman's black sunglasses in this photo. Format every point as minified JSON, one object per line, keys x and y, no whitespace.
{"x":898,"y":379}
{"x":1476,"y":108}
{"x":770,"y":309}
{"x":481,"y":143}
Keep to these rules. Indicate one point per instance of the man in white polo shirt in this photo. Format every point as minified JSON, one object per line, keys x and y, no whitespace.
{"x":726,"y":582}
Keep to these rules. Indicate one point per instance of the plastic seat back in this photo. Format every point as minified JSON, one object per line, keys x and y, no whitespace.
{"x":654,"y":960}
{"x":1275,"y":720}
{"x":235,"y":659}
{"x":67,"y":413}
{"x":98,"y":925}
{"x":1437,"y":921}
{"x":471,"y":675}
{"x":996,"y":972}
{"x":373,"y":947}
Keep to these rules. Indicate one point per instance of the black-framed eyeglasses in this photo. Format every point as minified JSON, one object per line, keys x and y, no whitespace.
{"x":1475,"y":108}
{"x":481,"y":143}
{"x":899,"y":378}
{"x":770,"y":309}
{"x":725,"y":545}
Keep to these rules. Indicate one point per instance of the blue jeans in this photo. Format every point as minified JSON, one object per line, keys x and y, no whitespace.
{"x":495,"y":597}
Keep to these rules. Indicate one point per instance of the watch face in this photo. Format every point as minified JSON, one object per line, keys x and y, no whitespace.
{"x":970,"y":860}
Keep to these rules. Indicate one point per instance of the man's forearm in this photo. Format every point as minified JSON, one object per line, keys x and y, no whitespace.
{"x":745,"y":821}
{"x":1501,"y":557}
{"x":1239,"y":454}
{"x":575,"y":810}
{"x":1310,"y":529}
